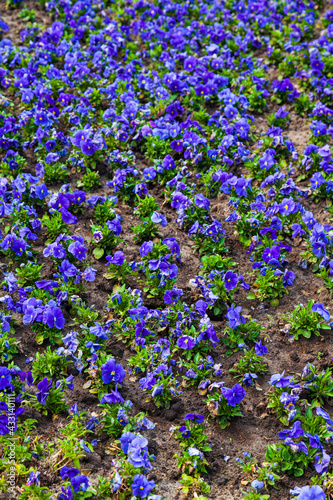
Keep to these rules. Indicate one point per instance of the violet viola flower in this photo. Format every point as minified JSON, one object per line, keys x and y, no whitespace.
{"x":157,"y":391}
{"x":80,"y":135}
{"x":114,"y":226}
{"x":296,"y":447}
{"x":149,"y":173}
{"x":314,"y":492}
{"x":89,"y":274}
{"x":297,"y":230}
{"x":242,"y":185}
{"x":230,"y":280}
{"x":126,"y":439}
{"x":138,"y":453}
{"x":186,"y":342}
{"x":322,"y":461}
{"x":201,"y":307}
{"x":173,"y":245}
{"x":317,"y":180}
{"x":201,"y":201}
{"x":5,"y":378}
{"x":314,"y":441}
{"x":185,"y":432}
{"x":324,"y":414}
{"x":257,"y":485}
{"x":67,"y":216}
{"x":261,"y":350}
{"x":320,"y":309}
{"x":141,"y":487}
{"x":179,"y":200}
{"x":287,"y":206}
{"x":234,"y":395}
{"x":234,"y":316}
{"x":67,"y":270}
{"x":271,"y":255}
{"x":172,"y":296}
{"x":288,"y":278}
{"x":11,"y":282}
{"x":309,"y":220}
{"x":53,"y":317}
{"x":177,"y":145}
{"x":195,"y":416}
{"x":278,"y":380}
{"x":248,"y":378}
{"x":43,"y":387}
{"x":146,"y":247}
{"x":159,"y":219}
{"x":168,"y":162}
{"x":118,"y":258}
{"x":34,"y":478}
{"x":147,"y":382}
{"x":78,"y":250}
{"x":116,"y":482}
{"x":294,"y":433}
{"x":112,"y":372}
{"x":80,"y":482}
{"x":66,"y":472}
{"x":112,"y":397}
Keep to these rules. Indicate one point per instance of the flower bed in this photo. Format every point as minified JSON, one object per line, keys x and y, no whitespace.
{"x":166,"y":250}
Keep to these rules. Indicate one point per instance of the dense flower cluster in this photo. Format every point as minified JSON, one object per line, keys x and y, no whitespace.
{"x":129,"y":100}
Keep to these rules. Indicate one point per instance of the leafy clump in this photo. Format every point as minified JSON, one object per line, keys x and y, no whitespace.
{"x":307,"y":321}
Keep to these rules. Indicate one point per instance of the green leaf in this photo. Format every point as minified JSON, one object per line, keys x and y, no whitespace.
{"x":308,"y":413}
{"x":269,"y":453}
{"x":284,"y":421}
{"x":40,"y":338}
{"x":298,"y":472}
{"x":251,"y":296}
{"x":305,"y":333}
{"x":76,"y":462}
{"x":98,"y":252}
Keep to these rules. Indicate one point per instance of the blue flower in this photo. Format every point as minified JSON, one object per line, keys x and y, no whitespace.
{"x":158,"y":219}
{"x":261,"y":350}
{"x":80,"y":482}
{"x":141,"y":487}
{"x":118,"y":258}
{"x":186,"y":342}
{"x":320,"y":309}
{"x":257,"y":485}
{"x":248,"y":378}
{"x":112,"y":397}
{"x":112,"y":372}
{"x":278,"y":380}
{"x":234,"y":395}
{"x":314,"y":492}
{"x":195,"y":416}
